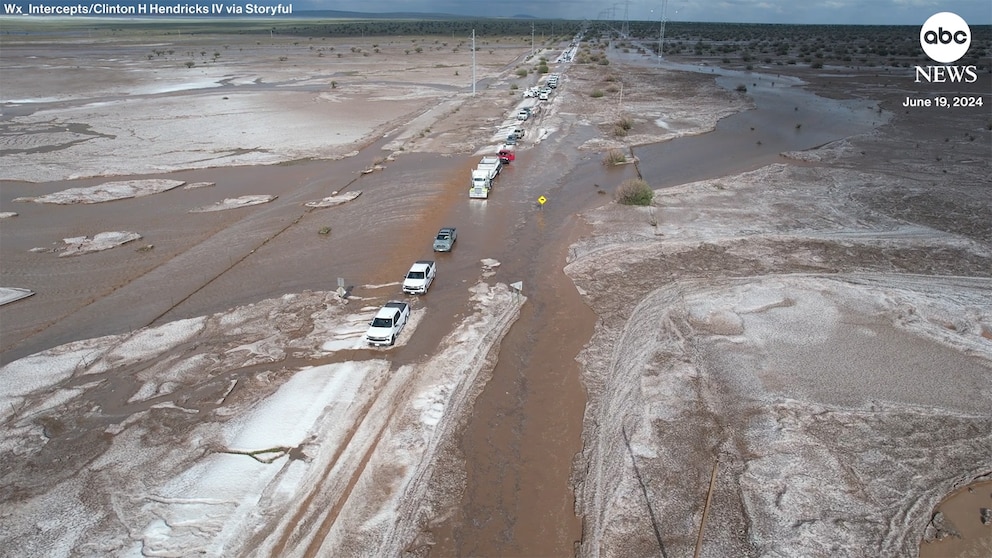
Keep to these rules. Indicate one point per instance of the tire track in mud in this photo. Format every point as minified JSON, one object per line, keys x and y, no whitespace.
{"x":305,"y":511}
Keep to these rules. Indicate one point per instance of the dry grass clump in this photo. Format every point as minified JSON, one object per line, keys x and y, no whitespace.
{"x":622,"y":126}
{"x":634,"y":192}
{"x":614,"y":157}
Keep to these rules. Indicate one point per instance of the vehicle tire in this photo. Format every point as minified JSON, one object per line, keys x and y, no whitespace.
{"x":392,"y":340}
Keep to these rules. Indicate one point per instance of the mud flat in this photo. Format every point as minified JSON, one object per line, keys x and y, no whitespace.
{"x":794,"y":359}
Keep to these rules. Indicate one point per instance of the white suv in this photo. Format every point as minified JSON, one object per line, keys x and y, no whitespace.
{"x":420,"y":277}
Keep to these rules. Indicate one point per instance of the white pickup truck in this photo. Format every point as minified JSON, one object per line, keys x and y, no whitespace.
{"x":387,"y":324}
{"x":483,"y":176}
{"x":420,"y":277}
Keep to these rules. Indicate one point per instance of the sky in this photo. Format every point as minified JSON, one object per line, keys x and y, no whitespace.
{"x":873,"y":12}
{"x":881,"y":12}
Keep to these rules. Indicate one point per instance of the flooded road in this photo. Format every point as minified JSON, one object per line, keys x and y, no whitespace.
{"x":526,"y":425}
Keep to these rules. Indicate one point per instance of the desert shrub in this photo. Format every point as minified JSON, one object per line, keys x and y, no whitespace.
{"x":625,"y":122}
{"x":741,"y":88}
{"x":634,"y":192}
{"x":614,"y":157}
{"x":596,"y":93}
{"x":619,"y":131}
{"x":522,"y":72}
{"x":612,"y":88}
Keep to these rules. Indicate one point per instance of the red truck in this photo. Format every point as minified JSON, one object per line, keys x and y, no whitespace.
{"x":506,"y":155}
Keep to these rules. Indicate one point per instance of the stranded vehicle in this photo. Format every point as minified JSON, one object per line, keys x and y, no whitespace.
{"x":385,"y":327}
{"x":420,"y":277}
{"x":483,"y":176}
{"x":445,"y":239}
{"x":506,"y":155}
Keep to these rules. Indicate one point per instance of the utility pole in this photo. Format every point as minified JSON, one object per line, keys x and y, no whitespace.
{"x":661,"y":31}
{"x":532,"y":39}
{"x":473,"y":62}
{"x":625,"y":30}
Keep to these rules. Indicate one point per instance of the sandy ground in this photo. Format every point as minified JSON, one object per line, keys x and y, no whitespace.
{"x":789,"y":360}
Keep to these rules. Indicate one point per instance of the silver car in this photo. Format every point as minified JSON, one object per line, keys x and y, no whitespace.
{"x":445,"y":239}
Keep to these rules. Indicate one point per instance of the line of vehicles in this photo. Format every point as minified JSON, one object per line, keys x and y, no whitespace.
{"x":543,"y":93}
{"x":485,"y":173}
{"x":390,"y":320}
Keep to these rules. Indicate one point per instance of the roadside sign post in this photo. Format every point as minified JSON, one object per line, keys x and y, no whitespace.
{"x":516,"y":289}
{"x":541,"y":201}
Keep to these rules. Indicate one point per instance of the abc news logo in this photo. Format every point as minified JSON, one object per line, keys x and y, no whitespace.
{"x":945,"y":38}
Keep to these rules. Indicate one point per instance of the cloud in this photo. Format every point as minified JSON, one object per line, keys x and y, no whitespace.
{"x":876,"y":12}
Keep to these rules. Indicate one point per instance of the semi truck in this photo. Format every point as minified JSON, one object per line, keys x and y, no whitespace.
{"x":483,"y":176}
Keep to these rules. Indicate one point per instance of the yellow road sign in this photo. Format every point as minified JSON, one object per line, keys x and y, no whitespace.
{"x":542,"y":200}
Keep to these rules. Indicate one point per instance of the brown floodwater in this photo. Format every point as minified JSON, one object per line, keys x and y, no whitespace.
{"x":526,"y":426}
{"x":963,"y":513}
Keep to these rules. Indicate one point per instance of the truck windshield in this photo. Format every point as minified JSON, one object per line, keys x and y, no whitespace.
{"x":415,"y":275}
{"x":382,"y":322}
